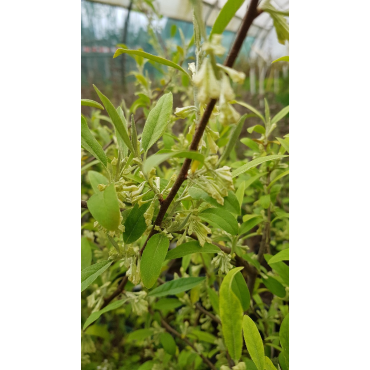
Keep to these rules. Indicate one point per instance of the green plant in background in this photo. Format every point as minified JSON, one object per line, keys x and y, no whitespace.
{"x":183,"y":248}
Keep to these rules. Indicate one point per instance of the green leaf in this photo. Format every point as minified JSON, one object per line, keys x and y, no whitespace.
{"x":255,"y":163}
{"x":95,"y":315}
{"x":282,"y":59}
{"x":104,"y":207}
{"x":231,"y":313}
{"x":240,"y":193}
{"x":280,"y":267}
{"x":86,"y":254}
{"x":157,"y":121}
{"x":98,"y":331}
{"x":233,"y":138}
{"x":252,"y":109}
{"x":284,"y":143}
{"x":116,"y":119}
{"x":274,"y":286}
{"x":267,"y":111}
{"x":215,"y":301}
{"x":96,"y":179}
{"x":252,"y":179}
{"x":257,"y":128}
{"x":254,"y":343}
{"x":284,"y":338}
{"x":168,"y":343}
{"x":135,"y":225}
{"x":240,"y":289}
{"x":282,"y":361}
{"x":152,"y":259}
{"x":231,"y":202}
{"x":89,"y":143}
{"x":225,"y":16}
{"x":189,"y":248}
{"x":90,"y":273}
{"x":156,"y":159}
{"x":173,"y":30}
{"x":281,"y":256}
{"x":151,"y":57}
{"x":121,"y":144}
{"x":250,"y":224}
{"x":250,"y":364}
{"x":250,"y":143}
{"x":175,"y":286}
{"x":139,"y":335}
{"x":280,"y":115}
{"x":265,"y":201}
{"x":148,"y":365}
{"x":134,"y":140}
{"x":203,"y":336}
{"x":91,"y":103}
{"x":167,"y":304}
{"x":278,"y":178}
{"x":280,"y":23}
{"x":268,"y":364}
{"x":220,"y":218}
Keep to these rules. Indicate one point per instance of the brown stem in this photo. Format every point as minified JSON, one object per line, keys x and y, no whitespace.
{"x":251,"y":14}
{"x":211,"y":315}
{"x":116,"y":293}
{"x":175,"y":332}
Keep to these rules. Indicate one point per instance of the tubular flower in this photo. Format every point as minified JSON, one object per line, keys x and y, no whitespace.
{"x":211,"y":137}
{"x":206,"y":81}
{"x":133,"y":272}
{"x":185,"y":111}
{"x":237,"y":77}
{"x":222,"y":261}
{"x":138,"y":302}
{"x":214,"y":46}
{"x":148,"y":215}
{"x":196,"y":226}
{"x":223,"y":176}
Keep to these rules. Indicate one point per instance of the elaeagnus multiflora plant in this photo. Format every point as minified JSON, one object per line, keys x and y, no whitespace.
{"x":170,"y":276}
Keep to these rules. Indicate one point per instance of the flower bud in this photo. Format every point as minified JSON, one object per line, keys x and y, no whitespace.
{"x":101,"y":187}
{"x":185,"y":111}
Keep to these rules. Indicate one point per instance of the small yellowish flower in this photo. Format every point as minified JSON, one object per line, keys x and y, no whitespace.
{"x":214,"y":46}
{"x":222,"y":261}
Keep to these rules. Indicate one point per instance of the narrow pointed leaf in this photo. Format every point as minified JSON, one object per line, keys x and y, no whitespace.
{"x":86,"y":254}
{"x":168,"y":343}
{"x":231,"y":313}
{"x":255,"y":163}
{"x":156,"y":159}
{"x":284,"y":339}
{"x":151,"y":57}
{"x":281,"y":256}
{"x":282,"y":59}
{"x":121,"y":144}
{"x":190,"y":248}
{"x":116,"y":119}
{"x":89,"y":143}
{"x":157,"y":121}
{"x":280,"y":115}
{"x":220,"y":218}
{"x":254,"y":342}
{"x":90,"y":274}
{"x":152,"y":259}
{"x":252,"y":109}
{"x":95,"y":315}
{"x":231,"y":202}
{"x":215,"y":300}
{"x":91,"y":103}
{"x":268,"y":364}
{"x":175,"y":286}
{"x":96,"y":179}
{"x":250,"y":224}
{"x":135,"y":225}
{"x":277,"y":178}
{"x":240,"y":288}
{"x":104,"y":207}
{"x":274,"y":286}
{"x":233,"y":138}
{"x":225,"y":16}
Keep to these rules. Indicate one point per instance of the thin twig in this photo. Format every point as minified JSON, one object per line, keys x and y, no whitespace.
{"x":170,"y":329}
{"x":116,"y":293}
{"x":251,"y":14}
{"x":211,"y":315}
